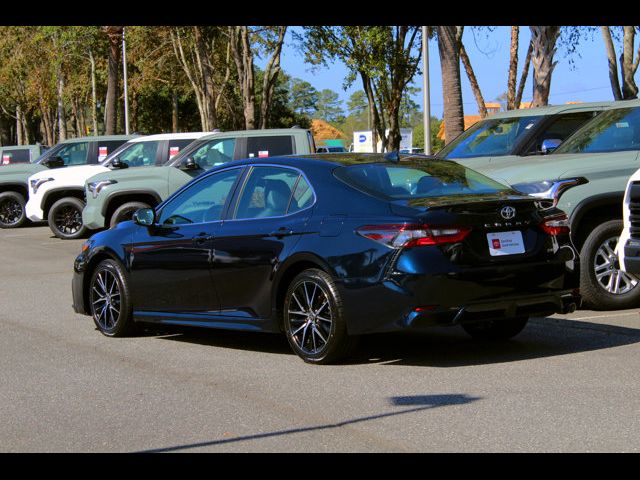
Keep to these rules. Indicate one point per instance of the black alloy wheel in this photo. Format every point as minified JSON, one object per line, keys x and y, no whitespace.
{"x":109,"y":301}
{"x":65,"y":218}
{"x":12,"y":211}
{"x":313,"y":319}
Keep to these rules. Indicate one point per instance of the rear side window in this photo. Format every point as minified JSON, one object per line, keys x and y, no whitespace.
{"x":417,"y":180}
{"x":271,"y":146}
{"x":214,"y":152}
{"x":140,"y":154}
{"x":176,"y":146}
{"x":15,"y":156}
{"x":106,"y":147}
{"x":273,"y":192}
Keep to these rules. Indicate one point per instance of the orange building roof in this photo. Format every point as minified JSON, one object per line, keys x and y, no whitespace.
{"x":468,"y":121}
{"x":322,"y":130}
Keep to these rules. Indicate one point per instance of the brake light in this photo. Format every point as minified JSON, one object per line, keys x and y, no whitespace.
{"x":556,"y":225}
{"x":408,"y":235}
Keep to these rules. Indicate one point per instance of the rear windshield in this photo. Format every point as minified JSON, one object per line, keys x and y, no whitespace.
{"x":434,"y":178}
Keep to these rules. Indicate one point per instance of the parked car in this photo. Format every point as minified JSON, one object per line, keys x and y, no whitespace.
{"x":330,"y":149}
{"x":518,"y":134}
{"x":329,"y":248}
{"x":109,"y":193}
{"x":412,"y":151}
{"x":14,"y":188}
{"x":586,"y":177}
{"x":58,"y":196}
{"x":10,"y":155}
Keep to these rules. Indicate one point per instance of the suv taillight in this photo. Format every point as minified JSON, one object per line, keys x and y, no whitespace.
{"x":408,"y":235}
{"x":556,"y":225}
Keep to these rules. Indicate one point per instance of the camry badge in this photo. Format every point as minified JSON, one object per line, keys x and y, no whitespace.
{"x":508,"y":212}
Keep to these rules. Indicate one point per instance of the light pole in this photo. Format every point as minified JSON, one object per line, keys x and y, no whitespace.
{"x":126,"y":91}
{"x":425,"y":92}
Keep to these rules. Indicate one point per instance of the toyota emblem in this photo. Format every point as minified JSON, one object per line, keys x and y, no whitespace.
{"x":508,"y":212}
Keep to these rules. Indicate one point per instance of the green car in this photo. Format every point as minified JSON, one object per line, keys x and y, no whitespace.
{"x":109,"y":194}
{"x":76,"y":151}
{"x":586,"y":177}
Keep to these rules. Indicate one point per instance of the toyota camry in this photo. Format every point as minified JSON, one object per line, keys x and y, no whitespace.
{"x":325,"y":248}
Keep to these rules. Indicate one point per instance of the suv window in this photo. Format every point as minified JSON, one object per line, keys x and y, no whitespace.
{"x":269,"y":146}
{"x":560,"y":128}
{"x":74,"y":153}
{"x":490,"y":137}
{"x":202,"y":202}
{"x":611,"y":131}
{"x":215,"y":152}
{"x":106,"y":147}
{"x":268,"y":192}
{"x":140,"y":154}
{"x":175,"y":146}
{"x":21,"y":155}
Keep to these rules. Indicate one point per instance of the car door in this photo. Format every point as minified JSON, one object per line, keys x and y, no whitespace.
{"x":269,"y":216}
{"x":171,"y":261}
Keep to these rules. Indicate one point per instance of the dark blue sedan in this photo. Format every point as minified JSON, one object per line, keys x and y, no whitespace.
{"x":329,"y":247}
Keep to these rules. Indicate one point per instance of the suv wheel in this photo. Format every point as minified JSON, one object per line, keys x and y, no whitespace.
{"x":603,"y":285}
{"x":12,"y":213}
{"x":65,"y":218}
{"x":125,"y":212}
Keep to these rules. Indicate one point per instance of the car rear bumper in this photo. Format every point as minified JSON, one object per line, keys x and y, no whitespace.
{"x":405,"y":301}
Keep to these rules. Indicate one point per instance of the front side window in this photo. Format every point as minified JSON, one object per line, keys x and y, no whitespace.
{"x":611,"y":131}
{"x":560,"y":129}
{"x":214,"y":153}
{"x":418,"y":180}
{"x":72,"y":153}
{"x":490,"y":137}
{"x":139,"y":154}
{"x":273,"y":192}
{"x":203,"y":201}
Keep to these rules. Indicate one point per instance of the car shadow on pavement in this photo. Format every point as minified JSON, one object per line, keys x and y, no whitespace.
{"x":439,"y":347}
{"x":418,"y":402}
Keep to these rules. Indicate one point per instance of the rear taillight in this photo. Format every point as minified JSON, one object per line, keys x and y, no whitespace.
{"x":403,"y":235}
{"x":556,"y":225}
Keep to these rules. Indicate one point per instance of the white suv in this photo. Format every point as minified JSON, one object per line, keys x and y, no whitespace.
{"x":58,"y":195}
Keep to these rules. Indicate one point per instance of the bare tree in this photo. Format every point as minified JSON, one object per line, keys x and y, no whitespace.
{"x":515,"y":89}
{"x":114,"y":35}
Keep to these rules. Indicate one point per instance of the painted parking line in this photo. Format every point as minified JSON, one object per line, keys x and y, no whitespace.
{"x":605,"y":316}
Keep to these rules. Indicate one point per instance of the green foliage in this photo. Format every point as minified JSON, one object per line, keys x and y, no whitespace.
{"x":303,"y":97}
{"x":329,"y":106}
{"x":418,"y":134}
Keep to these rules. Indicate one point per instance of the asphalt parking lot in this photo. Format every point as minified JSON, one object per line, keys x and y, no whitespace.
{"x":567,"y":383}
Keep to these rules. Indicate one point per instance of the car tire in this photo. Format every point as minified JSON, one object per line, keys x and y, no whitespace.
{"x":125,"y":212}
{"x":496,"y":330}
{"x":600,"y":276}
{"x":109,"y":300}
{"x":65,"y":218}
{"x":12,"y":211}
{"x":313,"y":319}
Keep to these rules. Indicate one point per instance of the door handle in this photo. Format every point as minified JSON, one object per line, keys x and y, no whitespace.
{"x":281,"y":232}
{"x":202,"y":238}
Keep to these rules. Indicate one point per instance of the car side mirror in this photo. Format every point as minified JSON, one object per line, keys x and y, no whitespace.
{"x":190,"y":164}
{"x":117,"y":163}
{"x":145,"y":217}
{"x":549,"y":145}
{"x":55,"y":162}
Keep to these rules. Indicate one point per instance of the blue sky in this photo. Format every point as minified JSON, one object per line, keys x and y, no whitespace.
{"x":587,"y":80}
